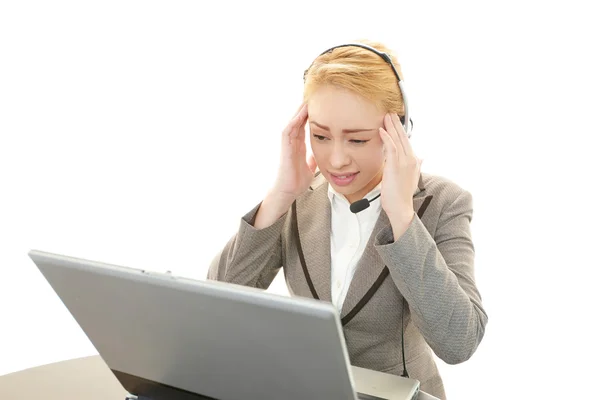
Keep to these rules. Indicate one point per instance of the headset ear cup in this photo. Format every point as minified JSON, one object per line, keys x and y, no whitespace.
{"x":410,"y":128}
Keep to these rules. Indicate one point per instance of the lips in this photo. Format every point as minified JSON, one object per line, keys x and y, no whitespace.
{"x":343,"y":179}
{"x":345,"y":175}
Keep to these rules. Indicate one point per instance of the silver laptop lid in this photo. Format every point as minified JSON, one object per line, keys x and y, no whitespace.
{"x":157,"y":331}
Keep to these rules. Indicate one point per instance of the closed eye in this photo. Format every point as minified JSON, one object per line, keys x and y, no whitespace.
{"x":322,"y":138}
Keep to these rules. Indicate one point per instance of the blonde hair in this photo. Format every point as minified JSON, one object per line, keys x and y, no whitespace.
{"x":360,"y":71}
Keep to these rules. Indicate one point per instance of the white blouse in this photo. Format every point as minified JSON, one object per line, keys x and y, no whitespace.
{"x":349,"y":236}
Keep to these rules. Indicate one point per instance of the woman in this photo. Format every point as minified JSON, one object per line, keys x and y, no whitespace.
{"x":401,"y":271}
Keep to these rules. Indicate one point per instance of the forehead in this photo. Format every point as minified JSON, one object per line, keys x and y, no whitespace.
{"x":341,"y":108}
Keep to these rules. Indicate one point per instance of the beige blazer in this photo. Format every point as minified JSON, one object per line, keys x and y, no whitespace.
{"x":422,"y":285}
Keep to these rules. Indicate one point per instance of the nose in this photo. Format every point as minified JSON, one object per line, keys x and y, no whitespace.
{"x":339,"y":157}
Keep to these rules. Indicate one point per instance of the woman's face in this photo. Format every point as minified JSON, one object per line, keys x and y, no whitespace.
{"x":344,"y":136}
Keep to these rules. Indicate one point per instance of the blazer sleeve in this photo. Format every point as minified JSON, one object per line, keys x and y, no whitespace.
{"x":252,"y":257}
{"x":436,"y":277}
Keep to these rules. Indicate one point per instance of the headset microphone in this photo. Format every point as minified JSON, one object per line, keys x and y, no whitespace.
{"x":362,"y":204}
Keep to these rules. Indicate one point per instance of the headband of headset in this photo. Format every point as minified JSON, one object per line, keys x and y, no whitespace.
{"x":388,"y":60}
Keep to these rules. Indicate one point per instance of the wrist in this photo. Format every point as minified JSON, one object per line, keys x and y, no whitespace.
{"x":278,"y":201}
{"x":273,"y":207}
{"x":403,"y":214}
{"x":400,"y":223}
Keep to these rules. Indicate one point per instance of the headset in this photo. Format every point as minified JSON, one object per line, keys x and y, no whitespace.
{"x":405,"y":119}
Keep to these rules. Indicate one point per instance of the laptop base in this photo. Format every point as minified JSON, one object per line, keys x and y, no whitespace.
{"x":369,"y":385}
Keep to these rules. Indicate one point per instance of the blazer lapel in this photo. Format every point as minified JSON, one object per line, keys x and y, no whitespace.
{"x":370,"y":267}
{"x":314,"y":226}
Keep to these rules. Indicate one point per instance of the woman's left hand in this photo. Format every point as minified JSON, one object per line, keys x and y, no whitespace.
{"x":400,"y":174}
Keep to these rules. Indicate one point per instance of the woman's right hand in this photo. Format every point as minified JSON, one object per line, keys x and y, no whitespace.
{"x":294,"y":175}
{"x":296,"y":172}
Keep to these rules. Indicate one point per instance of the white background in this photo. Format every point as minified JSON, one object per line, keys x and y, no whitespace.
{"x":139,"y":132}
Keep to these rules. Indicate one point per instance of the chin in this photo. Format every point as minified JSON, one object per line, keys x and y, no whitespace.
{"x":349,"y":189}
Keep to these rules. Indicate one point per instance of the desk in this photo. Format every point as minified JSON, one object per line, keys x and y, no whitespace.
{"x":87,"y":378}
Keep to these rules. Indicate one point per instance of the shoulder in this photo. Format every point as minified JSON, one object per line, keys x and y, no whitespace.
{"x":442,"y":187}
{"x":448,"y":198}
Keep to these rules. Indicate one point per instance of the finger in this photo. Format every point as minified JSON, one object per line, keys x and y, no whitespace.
{"x":294,"y":122}
{"x":301,"y":134}
{"x":302,"y":111}
{"x":299,"y":108}
{"x":403,"y":137}
{"x":388,"y":145}
{"x":397,"y":123}
{"x":299,"y":122}
{"x":391,"y":129}
{"x":394,"y":133}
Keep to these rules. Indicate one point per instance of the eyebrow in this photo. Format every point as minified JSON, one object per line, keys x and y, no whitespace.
{"x":344,"y":130}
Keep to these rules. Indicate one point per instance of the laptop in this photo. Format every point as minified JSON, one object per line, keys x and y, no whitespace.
{"x":170,"y":337}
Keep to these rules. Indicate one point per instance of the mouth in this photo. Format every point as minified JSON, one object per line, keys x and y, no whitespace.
{"x":343,"y":179}
{"x":340,"y":176}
